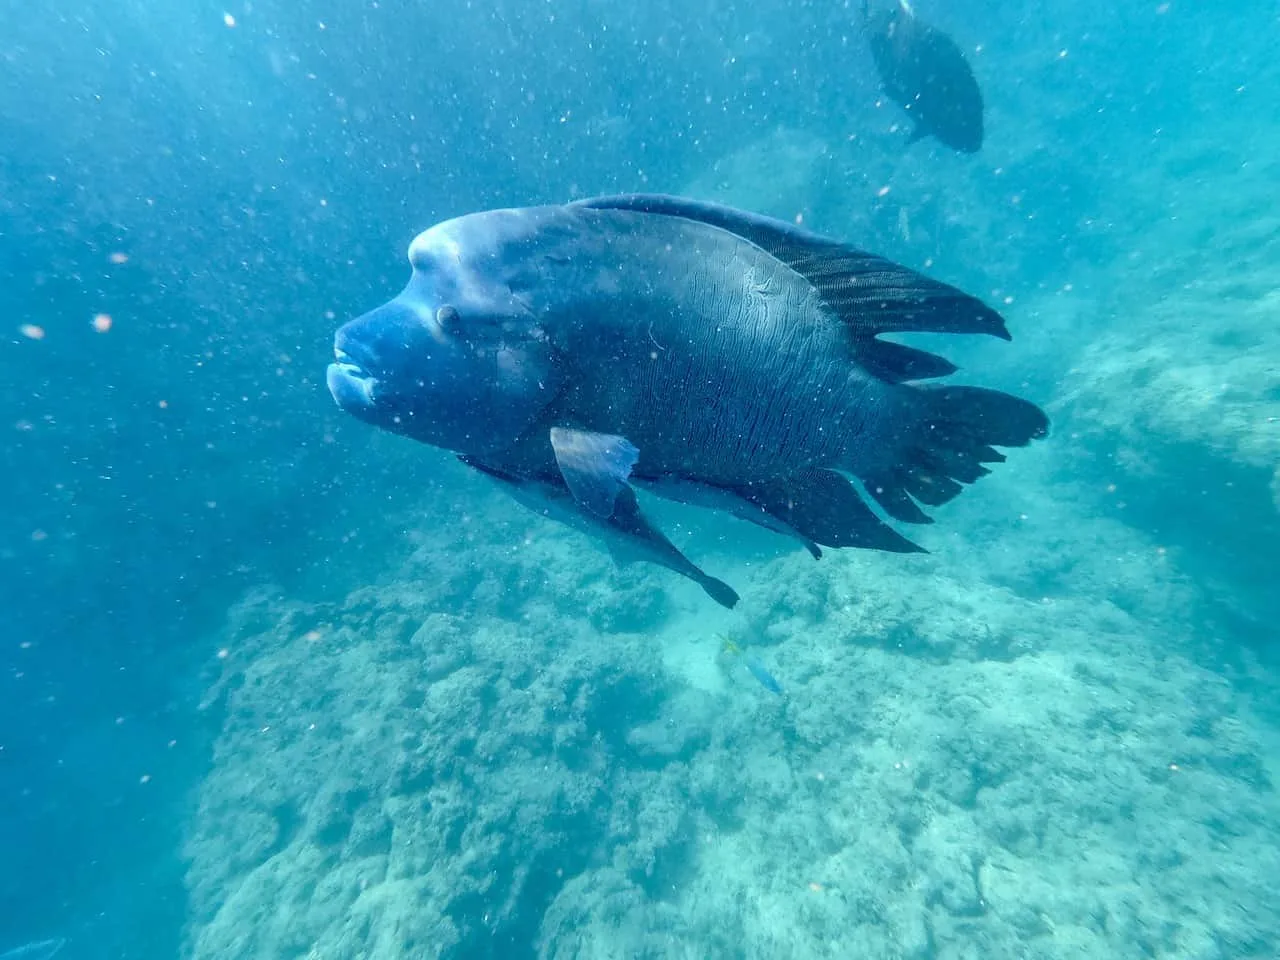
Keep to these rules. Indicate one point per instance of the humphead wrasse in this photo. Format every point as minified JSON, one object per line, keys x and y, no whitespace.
{"x":579,"y":352}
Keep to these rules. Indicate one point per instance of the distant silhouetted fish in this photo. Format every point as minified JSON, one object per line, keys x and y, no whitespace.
{"x":35,"y":950}
{"x":923,"y":70}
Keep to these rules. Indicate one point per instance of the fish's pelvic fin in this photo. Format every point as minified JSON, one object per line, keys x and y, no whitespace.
{"x":631,"y":523}
{"x":719,"y":591}
{"x":595,"y":466}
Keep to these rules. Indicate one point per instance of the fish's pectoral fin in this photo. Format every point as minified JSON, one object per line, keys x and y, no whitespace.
{"x":595,"y":466}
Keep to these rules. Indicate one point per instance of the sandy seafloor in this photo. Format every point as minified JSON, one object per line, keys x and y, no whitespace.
{"x":1055,"y":736}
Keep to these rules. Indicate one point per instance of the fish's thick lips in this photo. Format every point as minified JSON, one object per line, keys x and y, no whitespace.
{"x":349,"y":383}
{"x":348,"y":363}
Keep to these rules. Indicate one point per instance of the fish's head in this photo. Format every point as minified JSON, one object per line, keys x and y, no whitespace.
{"x":456,"y":360}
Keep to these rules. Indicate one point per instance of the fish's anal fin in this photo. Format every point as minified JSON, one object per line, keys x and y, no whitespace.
{"x":870,"y":294}
{"x":628,"y":520}
{"x":595,"y":466}
{"x":824,"y":506}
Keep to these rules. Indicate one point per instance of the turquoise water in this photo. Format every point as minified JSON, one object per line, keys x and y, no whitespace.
{"x":275,"y":685}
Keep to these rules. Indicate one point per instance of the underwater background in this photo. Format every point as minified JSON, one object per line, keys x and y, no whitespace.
{"x":273,"y":684}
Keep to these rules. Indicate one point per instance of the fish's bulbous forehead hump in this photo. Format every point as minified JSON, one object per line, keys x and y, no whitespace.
{"x":478,"y":237}
{"x":434,"y":245}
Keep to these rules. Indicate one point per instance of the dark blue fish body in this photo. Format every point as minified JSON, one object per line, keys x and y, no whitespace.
{"x":707,"y":354}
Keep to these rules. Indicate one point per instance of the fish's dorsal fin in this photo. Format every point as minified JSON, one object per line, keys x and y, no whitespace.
{"x":870,"y":294}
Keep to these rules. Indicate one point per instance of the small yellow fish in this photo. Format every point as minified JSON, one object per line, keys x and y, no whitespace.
{"x":730,"y":645}
{"x":753,"y":664}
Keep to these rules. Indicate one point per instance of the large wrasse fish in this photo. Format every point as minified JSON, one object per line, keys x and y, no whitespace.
{"x":577,"y":353}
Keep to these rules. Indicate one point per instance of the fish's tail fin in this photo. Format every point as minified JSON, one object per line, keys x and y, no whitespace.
{"x":949,"y":433}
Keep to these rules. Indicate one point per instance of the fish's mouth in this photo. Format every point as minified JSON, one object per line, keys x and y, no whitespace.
{"x":351,"y":385}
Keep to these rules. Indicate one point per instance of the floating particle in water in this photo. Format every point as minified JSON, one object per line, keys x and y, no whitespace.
{"x":119,"y":258}
{"x":229,"y":20}
{"x":102,"y":322}
{"x":31,"y":331}
{"x":816,"y":887}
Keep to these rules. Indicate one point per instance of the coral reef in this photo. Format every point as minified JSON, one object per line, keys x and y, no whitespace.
{"x":1022,"y":755}
{"x":1034,"y":741}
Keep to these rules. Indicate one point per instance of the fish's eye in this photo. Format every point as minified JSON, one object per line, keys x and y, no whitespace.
{"x":447,"y":316}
